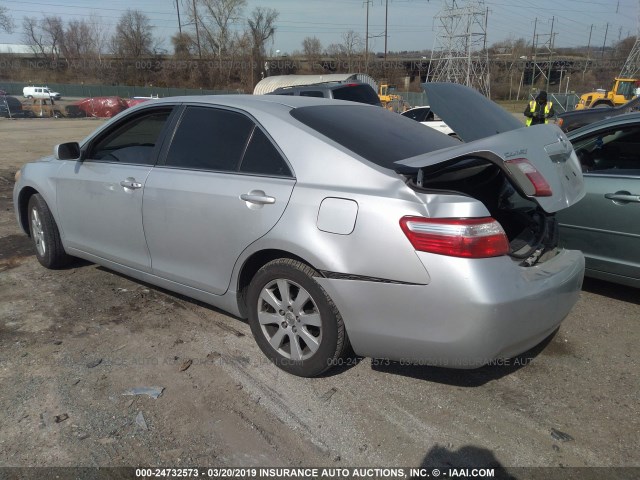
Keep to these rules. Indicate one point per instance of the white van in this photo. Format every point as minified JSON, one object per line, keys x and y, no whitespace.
{"x":40,"y":92}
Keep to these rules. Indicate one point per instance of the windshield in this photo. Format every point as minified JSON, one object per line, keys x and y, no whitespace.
{"x":626,"y":88}
{"x":379,"y":136}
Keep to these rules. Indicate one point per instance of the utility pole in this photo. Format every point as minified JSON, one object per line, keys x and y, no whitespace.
{"x":386,"y":26}
{"x":533,"y":52}
{"x":586,"y":64}
{"x":486,"y":28}
{"x":195,"y":18}
{"x":179,"y":22}
{"x":366,"y":42}
{"x":604,"y":44}
{"x":553,"y":19}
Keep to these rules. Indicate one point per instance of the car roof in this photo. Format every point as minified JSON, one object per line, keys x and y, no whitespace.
{"x":612,"y":121}
{"x":327,"y":85}
{"x":262,"y":102}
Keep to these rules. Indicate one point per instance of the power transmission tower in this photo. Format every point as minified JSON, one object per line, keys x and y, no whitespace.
{"x":632,"y":64}
{"x":460,"y":54}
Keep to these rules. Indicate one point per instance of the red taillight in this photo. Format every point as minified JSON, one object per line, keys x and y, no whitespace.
{"x":523,"y":166}
{"x":456,"y":237}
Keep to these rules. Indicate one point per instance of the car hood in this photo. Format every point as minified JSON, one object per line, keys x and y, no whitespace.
{"x":471,"y":115}
{"x":544,"y":146}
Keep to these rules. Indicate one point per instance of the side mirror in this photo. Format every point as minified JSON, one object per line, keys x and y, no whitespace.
{"x":67,"y":151}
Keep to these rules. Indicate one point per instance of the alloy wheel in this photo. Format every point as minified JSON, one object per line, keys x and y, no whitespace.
{"x":289,"y":319}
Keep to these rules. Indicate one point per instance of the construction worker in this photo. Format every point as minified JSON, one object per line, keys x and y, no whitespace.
{"x":539,"y":110}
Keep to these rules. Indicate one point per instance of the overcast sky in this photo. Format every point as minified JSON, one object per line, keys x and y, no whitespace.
{"x":411,"y":24}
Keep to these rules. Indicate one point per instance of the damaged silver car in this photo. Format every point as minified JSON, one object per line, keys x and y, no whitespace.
{"x":327,"y":224}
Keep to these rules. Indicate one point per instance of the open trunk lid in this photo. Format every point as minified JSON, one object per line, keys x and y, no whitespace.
{"x":544,"y":147}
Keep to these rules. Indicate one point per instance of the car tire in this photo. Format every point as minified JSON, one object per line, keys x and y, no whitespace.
{"x":45,"y":234}
{"x":301,"y":331}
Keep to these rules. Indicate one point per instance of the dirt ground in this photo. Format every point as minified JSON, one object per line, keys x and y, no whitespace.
{"x":73,"y":341}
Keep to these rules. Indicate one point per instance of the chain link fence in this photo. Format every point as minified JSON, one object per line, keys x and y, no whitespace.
{"x":561,"y":102}
{"x":124,"y":91}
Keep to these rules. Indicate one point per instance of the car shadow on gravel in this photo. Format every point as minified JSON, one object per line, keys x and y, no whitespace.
{"x":439,"y":460}
{"x":613,"y":290}
{"x":464,"y":378}
{"x":177,"y":297}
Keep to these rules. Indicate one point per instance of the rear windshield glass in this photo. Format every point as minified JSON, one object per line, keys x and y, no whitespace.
{"x":357,"y":93}
{"x":376,"y":134}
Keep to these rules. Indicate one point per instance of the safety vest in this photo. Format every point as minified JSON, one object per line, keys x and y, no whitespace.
{"x":532,"y":107}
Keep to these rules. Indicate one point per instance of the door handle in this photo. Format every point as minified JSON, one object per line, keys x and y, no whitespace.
{"x":131,"y":183}
{"x":622,"y":198}
{"x":258,"y":198}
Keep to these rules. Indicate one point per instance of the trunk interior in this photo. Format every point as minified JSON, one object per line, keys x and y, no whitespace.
{"x":532,"y":233}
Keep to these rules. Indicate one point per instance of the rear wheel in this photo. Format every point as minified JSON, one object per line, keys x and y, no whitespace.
{"x":45,"y":234}
{"x":293,"y":320}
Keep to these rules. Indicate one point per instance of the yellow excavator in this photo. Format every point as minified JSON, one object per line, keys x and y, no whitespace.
{"x":390,"y":100}
{"x":624,"y":89}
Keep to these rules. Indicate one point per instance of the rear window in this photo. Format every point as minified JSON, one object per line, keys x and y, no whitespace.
{"x":357,"y":93}
{"x":379,"y":136}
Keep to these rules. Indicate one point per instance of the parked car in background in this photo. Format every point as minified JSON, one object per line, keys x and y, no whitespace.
{"x":352,"y":91}
{"x":40,"y":92}
{"x":605,"y":225}
{"x":101,"y":107}
{"x":569,"y":121}
{"x":326,"y":223}
{"x":427,"y":117}
{"x":43,"y":108}
{"x":11,"y":107}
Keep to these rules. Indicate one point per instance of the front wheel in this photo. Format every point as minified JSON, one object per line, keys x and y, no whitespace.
{"x":45,"y":234}
{"x":293,"y":320}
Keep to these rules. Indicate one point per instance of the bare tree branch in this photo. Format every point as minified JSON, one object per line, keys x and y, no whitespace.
{"x":223,"y":14}
{"x":133,"y":37}
{"x":44,"y":36}
{"x":262,"y":27}
{"x":6,"y":22}
{"x":312,"y":50}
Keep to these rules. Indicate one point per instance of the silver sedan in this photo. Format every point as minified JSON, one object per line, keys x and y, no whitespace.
{"x":330,"y":225}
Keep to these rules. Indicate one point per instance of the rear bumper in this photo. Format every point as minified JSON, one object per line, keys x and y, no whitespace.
{"x":471,"y":313}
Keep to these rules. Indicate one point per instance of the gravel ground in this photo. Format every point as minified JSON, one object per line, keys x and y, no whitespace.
{"x":73,"y":341}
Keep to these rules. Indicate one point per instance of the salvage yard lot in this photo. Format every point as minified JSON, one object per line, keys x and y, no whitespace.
{"x":73,"y":341}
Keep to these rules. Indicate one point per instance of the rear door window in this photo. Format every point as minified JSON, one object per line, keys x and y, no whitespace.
{"x":210,"y":139}
{"x":263,"y":158}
